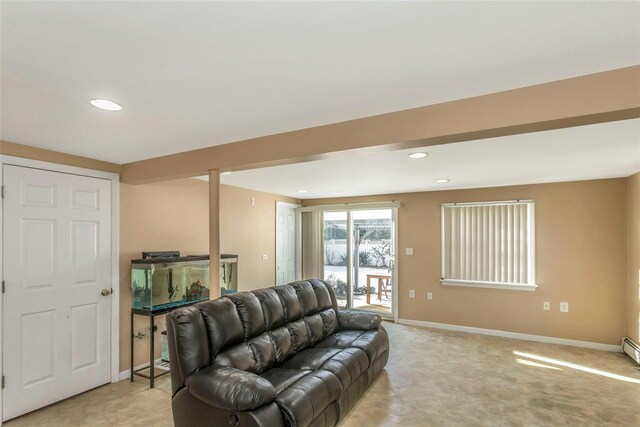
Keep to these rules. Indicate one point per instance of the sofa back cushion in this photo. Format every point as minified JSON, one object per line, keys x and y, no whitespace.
{"x":251,"y":331}
{"x":188,"y":344}
{"x":223,"y":324}
{"x":239,"y":356}
{"x":269,"y":325}
{"x":250,"y":312}
{"x":282,"y":343}
{"x":329,"y":321}
{"x":290,"y":302}
{"x":272,"y":307}
{"x":307,"y":297}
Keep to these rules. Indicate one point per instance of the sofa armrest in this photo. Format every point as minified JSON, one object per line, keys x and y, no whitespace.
{"x":348,"y":319}
{"x":231,"y":388}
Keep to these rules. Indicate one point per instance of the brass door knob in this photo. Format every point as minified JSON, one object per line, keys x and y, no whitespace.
{"x":106,"y":292}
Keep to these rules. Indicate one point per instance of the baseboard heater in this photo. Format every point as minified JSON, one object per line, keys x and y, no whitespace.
{"x":631,"y":348}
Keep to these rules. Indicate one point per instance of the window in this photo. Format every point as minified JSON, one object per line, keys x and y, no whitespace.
{"x":489,"y":245}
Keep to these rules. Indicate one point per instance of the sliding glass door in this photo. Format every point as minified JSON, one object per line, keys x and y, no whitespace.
{"x":373,"y":250}
{"x":335,"y":232}
{"x":359,"y":258}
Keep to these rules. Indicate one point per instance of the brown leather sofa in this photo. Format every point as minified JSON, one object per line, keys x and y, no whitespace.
{"x":281,"y":356}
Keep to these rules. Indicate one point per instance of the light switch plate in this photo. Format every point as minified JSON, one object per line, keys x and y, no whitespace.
{"x":412,"y":293}
{"x":564,"y":307}
{"x":408,"y":251}
{"x":429,"y":296}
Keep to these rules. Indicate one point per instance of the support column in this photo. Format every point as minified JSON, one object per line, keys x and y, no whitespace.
{"x":214,"y":232}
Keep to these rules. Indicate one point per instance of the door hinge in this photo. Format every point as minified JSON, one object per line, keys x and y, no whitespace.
{"x":3,"y":381}
{"x":3,"y":287}
{"x":3,"y":191}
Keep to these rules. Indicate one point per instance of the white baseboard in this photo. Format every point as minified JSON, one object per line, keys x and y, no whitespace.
{"x":512,"y":335}
{"x":631,"y":348}
{"x":125,"y":375}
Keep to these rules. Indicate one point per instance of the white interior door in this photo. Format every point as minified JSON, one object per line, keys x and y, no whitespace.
{"x":285,"y":243}
{"x":57,"y":261}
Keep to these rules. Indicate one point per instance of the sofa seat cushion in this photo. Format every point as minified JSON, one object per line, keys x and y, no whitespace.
{"x":347,"y":365}
{"x":309,"y":359}
{"x":306,"y":399}
{"x":373,"y":343}
{"x":282,"y":378}
{"x":342,"y":339}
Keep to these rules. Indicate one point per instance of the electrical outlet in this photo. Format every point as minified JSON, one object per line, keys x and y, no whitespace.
{"x":408,"y":251}
{"x":564,"y":307}
{"x":429,"y":296}
{"x":253,"y":201}
{"x":264,"y":257}
{"x":546,"y":306}
{"x":412,"y":293}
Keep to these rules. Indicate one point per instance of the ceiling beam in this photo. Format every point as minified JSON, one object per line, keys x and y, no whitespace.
{"x":18,"y":150}
{"x":595,"y":98}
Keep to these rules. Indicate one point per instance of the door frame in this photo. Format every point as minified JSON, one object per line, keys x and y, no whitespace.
{"x":115,"y":248}
{"x":298,"y":241}
{"x":348,"y":208}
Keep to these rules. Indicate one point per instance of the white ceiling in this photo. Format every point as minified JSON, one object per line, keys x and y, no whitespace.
{"x":605,"y":150}
{"x":197,"y":74}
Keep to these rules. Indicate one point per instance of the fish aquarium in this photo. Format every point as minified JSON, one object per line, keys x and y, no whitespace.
{"x":163,"y":282}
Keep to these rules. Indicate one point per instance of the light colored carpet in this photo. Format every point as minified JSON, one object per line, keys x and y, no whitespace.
{"x":443,"y":378}
{"x":434,"y":378}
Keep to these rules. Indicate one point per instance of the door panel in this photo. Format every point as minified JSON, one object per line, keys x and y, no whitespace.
{"x":372,"y":244}
{"x":84,"y":336}
{"x":336,"y":256}
{"x":38,"y":347}
{"x":84,"y":198}
{"x":280,"y":246}
{"x":285,"y":243}
{"x":290,"y":245}
{"x":38,"y":194}
{"x":57,"y":260}
{"x":359,"y":258}
{"x":37,"y":253}
{"x":84,"y":252}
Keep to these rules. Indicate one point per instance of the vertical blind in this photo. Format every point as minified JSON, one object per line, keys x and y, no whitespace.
{"x":488,"y":242}
{"x":312,"y":258}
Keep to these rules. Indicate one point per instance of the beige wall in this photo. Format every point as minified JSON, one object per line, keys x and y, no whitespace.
{"x":580,"y":258}
{"x":174,"y":215}
{"x":590,"y":281}
{"x":171,"y":215}
{"x":249,"y":232}
{"x":633,"y":257}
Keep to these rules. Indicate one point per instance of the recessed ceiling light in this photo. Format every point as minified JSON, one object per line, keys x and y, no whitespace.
{"x":302,"y":191}
{"x":225,"y":173}
{"x":419,"y":155}
{"x":103,"y":104}
{"x":442,"y":181}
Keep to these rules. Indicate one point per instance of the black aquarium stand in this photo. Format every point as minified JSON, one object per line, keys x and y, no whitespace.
{"x":152,"y":365}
